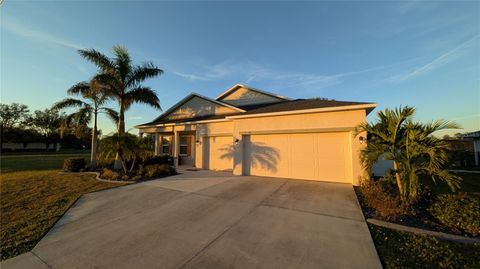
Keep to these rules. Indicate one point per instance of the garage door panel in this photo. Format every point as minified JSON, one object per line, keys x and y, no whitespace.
{"x":314,"y":156}
{"x":218,"y":153}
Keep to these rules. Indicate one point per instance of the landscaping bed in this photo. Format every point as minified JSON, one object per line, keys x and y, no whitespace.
{"x":399,"y":249}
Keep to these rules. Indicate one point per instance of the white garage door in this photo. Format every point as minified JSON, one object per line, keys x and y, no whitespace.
{"x":312,"y":156}
{"x":218,"y":153}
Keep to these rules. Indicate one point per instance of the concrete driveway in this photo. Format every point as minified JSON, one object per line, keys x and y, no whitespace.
{"x":208,"y":219}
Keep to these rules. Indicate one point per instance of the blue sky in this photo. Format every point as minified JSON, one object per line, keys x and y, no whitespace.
{"x":423,"y":54}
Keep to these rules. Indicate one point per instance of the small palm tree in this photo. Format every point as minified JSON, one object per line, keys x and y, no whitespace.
{"x":133,"y":149}
{"x":94,"y":99}
{"x":425,"y":154}
{"x":410,"y":146}
{"x":124,"y":82}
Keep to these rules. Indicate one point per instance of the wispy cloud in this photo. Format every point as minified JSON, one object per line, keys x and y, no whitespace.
{"x":435,"y":63}
{"x":18,"y":28}
{"x":135,"y":117}
{"x":251,"y":72}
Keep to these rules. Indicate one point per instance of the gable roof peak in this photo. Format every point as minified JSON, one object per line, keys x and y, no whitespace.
{"x":238,"y":85}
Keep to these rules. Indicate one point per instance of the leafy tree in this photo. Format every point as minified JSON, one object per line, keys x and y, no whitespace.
{"x":48,"y":123}
{"x":89,"y":107}
{"x":410,"y":146}
{"x":123,"y":81}
{"x":10,"y":116}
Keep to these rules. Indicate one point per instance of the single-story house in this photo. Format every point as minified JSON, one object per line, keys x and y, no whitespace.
{"x":254,"y":132}
{"x":475,"y":137}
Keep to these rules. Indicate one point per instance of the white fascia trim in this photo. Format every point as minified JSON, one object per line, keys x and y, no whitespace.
{"x":250,"y":88}
{"x":178,"y":124}
{"x":305,"y":111}
{"x":219,"y":102}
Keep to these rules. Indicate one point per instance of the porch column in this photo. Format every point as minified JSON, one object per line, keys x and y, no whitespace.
{"x":175,"y":144}
{"x":157,"y":144}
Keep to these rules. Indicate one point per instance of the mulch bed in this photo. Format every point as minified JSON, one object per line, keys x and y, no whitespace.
{"x":420,"y":219}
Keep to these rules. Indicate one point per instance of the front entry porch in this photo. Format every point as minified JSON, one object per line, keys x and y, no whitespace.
{"x":178,"y":144}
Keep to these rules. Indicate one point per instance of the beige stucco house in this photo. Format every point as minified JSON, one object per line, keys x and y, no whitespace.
{"x":253,"y":132}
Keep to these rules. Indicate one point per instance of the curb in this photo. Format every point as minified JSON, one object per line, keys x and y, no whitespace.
{"x":444,"y":236}
{"x":101,"y":179}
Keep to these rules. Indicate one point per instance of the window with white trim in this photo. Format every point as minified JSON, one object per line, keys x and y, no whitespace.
{"x":166,"y":144}
{"x":184,"y":145}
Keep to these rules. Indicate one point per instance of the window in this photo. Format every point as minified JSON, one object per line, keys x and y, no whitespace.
{"x":166,"y":145}
{"x":184,"y":145}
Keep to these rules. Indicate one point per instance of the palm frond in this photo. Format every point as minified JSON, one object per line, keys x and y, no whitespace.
{"x":68,"y":103}
{"x":123,"y":61}
{"x":97,"y":58}
{"x":143,"y":95}
{"x":81,"y":88}
{"x":112,"y":114}
{"x":142,"y":72}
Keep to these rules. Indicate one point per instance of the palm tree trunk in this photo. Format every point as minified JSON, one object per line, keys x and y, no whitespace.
{"x":93,"y":154}
{"x":121,"y":131}
{"x":398,"y":179}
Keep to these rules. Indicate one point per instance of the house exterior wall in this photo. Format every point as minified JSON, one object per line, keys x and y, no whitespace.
{"x":344,"y":121}
{"x":198,"y":107}
{"x":340,"y":122}
{"x":243,"y":96}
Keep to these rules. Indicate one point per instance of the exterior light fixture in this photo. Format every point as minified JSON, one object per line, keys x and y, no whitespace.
{"x":362,"y":139}
{"x":236,"y":141}
{"x":197,"y":142}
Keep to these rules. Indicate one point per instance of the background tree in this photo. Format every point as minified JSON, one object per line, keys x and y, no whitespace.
{"x":10,"y":116}
{"x":124,"y":82}
{"x":94,"y":99}
{"x":410,"y":146}
{"x":47,"y":122}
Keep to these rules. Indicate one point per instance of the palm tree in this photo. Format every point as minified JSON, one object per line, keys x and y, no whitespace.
{"x":94,"y":99}
{"x":124,"y":82}
{"x":410,"y":146}
{"x":426,"y":154}
{"x":134,"y":148}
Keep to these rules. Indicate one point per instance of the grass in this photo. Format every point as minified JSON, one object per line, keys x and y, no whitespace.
{"x":34,"y":195}
{"x":37,"y":161}
{"x":406,"y":250}
{"x":470,"y":184}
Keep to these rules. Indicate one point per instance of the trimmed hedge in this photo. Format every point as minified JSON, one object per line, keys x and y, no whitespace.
{"x":75,"y":164}
{"x":157,"y":170}
{"x":459,"y":211}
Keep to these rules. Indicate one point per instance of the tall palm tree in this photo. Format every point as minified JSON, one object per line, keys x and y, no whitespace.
{"x":124,"y":82}
{"x":410,"y":146}
{"x":94,"y":99}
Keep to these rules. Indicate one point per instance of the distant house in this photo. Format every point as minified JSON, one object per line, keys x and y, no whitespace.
{"x":254,"y":132}
{"x":475,"y":137}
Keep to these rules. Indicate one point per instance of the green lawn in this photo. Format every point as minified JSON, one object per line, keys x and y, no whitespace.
{"x":470,"y":184}
{"x":37,"y":161}
{"x":33,"y":196}
{"x":406,"y":250}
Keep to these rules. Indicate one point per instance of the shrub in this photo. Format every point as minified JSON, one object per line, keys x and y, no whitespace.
{"x":157,"y":170}
{"x":74,"y":164}
{"x":165,"y":159}
{"x":379,"y":196}
{"x":459,"y":211}
{"x":110,"y":174}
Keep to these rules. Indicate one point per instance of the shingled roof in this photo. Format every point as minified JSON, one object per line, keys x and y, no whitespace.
{"x":300,"y":104}
{"x":283,"y":106}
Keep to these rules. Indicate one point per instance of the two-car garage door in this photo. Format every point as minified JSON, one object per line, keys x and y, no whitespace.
{"x":313,"y":156}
